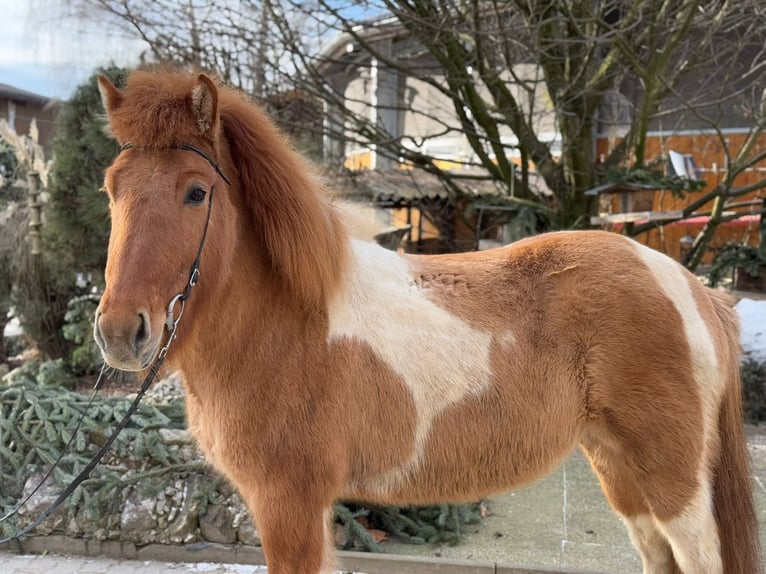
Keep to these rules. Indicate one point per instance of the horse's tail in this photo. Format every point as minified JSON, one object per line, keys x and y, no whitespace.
{"x":732,"y":487}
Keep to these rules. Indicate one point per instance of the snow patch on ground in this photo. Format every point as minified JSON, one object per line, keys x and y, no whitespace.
{"x":752,"y":316}
{"x":220,"y":568}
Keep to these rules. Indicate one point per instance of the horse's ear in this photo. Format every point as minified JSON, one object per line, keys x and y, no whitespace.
{"x":205,"y":105}
{"x":110,"y":95}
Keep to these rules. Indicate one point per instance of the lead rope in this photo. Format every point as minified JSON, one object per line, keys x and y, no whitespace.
{"x":171,"y":325}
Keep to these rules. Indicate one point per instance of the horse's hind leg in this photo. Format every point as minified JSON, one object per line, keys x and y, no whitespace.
{"x":693,"y":534}
{"x":667,"y":503}
{"x":678,"y":492}
{"x":655,"y":551}
{"x":625,"y":497}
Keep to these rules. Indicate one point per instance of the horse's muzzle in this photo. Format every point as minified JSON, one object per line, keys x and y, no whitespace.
{"x":125,"y":339}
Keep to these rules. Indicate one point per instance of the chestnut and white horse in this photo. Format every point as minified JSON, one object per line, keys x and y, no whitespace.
{"x":320,"y":368}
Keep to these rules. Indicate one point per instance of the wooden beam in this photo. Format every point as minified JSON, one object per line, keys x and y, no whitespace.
{"x":636,"y":216}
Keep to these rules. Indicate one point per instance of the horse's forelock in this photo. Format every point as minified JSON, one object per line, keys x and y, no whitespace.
{"x":156,"y":111}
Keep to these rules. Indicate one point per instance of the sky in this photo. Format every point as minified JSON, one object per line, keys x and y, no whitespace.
{"x":43,"y":52}
{"x":46,"y":52}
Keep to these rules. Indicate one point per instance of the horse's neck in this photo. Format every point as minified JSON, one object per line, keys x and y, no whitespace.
{"x":241,"y":329}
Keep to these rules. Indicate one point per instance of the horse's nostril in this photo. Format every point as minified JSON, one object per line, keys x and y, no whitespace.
{"x":97,"y":335}
{"x":142,"y":333}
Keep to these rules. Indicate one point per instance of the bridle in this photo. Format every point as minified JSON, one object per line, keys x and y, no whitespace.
{"x":171,"y":321}
{"x":171,"y":325}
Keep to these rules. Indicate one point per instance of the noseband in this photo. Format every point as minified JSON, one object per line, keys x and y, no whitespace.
{"x":171,"y":324}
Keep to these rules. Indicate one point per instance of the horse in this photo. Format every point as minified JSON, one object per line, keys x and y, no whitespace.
{"x":320,"y":367}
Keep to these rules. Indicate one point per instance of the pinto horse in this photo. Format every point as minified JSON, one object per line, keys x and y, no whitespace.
{"x":319,"y":367}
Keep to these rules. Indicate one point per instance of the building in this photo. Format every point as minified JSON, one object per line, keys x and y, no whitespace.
{"x":415,"y":113}
{"x":20,"y":108}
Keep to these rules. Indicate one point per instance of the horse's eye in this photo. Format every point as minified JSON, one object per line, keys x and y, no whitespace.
{"x":196,"y":195}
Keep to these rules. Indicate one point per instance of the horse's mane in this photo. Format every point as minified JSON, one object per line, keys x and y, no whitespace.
{"x":301,"y":232}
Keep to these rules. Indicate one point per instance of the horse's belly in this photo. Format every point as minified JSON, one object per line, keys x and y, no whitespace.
{"x":490,"y":443}
{"x":403,"y":487}
{"x":451,"y":472}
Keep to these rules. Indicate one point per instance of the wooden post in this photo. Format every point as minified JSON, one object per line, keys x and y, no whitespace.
{"x":35,"y":211}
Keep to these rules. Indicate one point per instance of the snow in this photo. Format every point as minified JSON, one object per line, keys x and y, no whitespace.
{"x":218,"y":568}
{"x":752,"y":316}
{"x":12,"y":328}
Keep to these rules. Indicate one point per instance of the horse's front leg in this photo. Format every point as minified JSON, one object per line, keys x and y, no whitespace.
{"x":294,"y":525}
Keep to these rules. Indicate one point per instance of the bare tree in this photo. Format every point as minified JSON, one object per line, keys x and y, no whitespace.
{"x":525,"y":88}
{"x":724,"y":201}
{"x":228,"y":37}
{"x":506,"y":68}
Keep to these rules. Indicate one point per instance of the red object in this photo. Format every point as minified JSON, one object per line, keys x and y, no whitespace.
{"x":701,"y":220}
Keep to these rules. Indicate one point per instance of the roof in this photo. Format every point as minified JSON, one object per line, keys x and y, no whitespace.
{"x":341,"y":49}
{"x":402,"y":187}
{"x":12,"y":93}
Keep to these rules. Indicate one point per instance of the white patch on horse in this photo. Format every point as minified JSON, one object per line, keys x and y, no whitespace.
{"x":693,"y":535}
{"x":654,"y":549}
{"x":675,"y":285}
{"x":441,"y":359}
{"x":507,"y":339}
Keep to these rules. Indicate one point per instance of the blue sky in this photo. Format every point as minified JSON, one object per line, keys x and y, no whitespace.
{"x":42,"y":52}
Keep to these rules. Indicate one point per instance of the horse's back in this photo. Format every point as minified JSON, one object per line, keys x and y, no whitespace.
{"x":597,"y":281}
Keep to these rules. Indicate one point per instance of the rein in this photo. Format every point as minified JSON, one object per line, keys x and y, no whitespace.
{"x":171,"y":325}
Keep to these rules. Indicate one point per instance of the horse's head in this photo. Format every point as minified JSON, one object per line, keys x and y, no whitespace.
{"x":273,"y":232}
{"x":160,"y":191}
